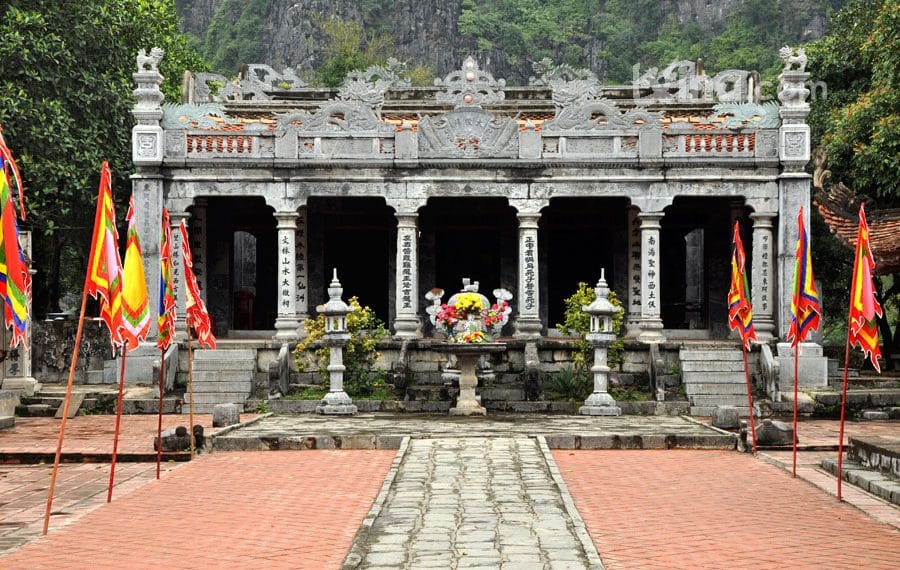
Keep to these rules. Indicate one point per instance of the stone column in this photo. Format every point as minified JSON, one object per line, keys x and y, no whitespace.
{"x":301,"y":272}
{"x":197,"y":233}
{"x":762,"y":274}
{"x":406,"y":320}
{"x":528,"y":323}
{"x":148,"y":203}
{"x":178,"y":274}
{"x":287,"y":323}
{"x":633,"y":299}
{"x":651,"y":323}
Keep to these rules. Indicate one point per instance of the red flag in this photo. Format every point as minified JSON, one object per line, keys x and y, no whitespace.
{"x":105,"y":266}
{"x":15,"y":279}
{"x":864,"y":307}
{"x":197,"y":317}
{"x":165,"y":320}
{"x":805,"y":309}
{"x":740,"y":310}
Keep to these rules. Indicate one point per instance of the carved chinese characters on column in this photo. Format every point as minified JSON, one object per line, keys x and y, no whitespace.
{"x":764,"y":273}
{"x":530,"y":262}
{"x":198,"y":246}
{"x":286,"y":267}
{"x":651,"y":271}
{"x":406,"y":268}
{"x":177,"y":267}
{"x":301,"y":274}
{"x":634,"y":262}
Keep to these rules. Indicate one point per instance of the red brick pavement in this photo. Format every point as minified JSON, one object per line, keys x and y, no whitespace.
{"x":94,"y":434}
{"x":716,"y":509}
{"x":226,"y":510}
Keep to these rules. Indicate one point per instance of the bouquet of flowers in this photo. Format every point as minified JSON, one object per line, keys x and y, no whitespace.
{"x":466,"y":319}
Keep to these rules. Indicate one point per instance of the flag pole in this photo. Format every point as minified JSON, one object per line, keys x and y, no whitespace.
{"x":65,"y":415}
{"x":749,"y":396}
{"x":191,"y":386}
{"x":112,"y":468}
{"x":840,"y":461}
{"x":796,"y":369}
{"x":162,"y":392}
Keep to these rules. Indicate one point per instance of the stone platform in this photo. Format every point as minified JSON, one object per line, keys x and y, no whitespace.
{"x":386,"y":431}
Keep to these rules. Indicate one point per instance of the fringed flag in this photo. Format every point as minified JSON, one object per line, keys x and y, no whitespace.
{"x":197,"y":318}
{"x":15,"y":280}
{"x":864,"y":307}
{"x":740,"y":310}
{"x":135,"y":300}
{"x":105,"y":266}
{"x":165,"y":321}
{"x":805,"y":308}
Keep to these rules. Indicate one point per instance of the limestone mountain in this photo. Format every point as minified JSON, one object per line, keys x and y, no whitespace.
{"x":607,"y":36}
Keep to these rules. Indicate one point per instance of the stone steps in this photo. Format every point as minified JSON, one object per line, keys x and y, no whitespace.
{"x":714,"y":377}
{"x":221,"y":377}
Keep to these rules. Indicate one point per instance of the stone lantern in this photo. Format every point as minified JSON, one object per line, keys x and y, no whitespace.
{"x":600,"y":403}
{"x":336,"y":402}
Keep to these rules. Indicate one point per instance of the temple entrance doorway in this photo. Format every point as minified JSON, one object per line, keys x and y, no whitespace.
{"x":242,"y":259}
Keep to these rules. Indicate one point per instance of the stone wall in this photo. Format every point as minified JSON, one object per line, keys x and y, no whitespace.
{"x":53,"y":343}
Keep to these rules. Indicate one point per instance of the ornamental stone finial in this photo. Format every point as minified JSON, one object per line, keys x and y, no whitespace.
{"x":470,"y":87}
{"x":147,"y":147}
{"x":791,"y":57}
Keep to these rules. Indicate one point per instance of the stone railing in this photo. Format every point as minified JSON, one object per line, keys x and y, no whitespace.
{"x":602,"y":146}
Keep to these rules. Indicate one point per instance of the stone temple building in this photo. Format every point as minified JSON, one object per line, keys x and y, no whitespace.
{"x":532,"y":189}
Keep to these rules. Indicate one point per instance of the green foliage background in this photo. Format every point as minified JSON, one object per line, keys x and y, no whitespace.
{"x":65,"y":106}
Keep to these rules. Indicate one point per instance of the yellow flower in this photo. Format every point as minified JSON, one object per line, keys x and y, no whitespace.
{"x":468,"y":303}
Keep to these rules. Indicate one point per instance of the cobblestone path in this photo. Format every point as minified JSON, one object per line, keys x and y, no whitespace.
{"x":476,"y":503}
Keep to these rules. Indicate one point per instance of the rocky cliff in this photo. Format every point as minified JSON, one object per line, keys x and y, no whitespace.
{"x":290,"y":32}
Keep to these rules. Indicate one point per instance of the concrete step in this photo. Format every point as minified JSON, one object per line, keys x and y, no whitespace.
{"x":225,"y":354}
{"x":718,"y":400}
{"x":7,"y":422}
{"x":723,"y":355}
{"x":226,"y":365}
{"x":709,"y":410}
{"x":869,"y":480}
{"x":204,"y":408}
{"x":217,"y":398}
{"x":212,"y":377}
{"x":35,"y":411}
{"x":712,"y":366}
{"x":221,"y":387}
{"x":701,"y":389}
{"x":712,"y":377}
{"x":502,"y":394}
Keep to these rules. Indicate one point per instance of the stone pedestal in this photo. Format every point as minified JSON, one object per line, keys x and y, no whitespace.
{"x":467,"y":355}
{"x":812,"y":367}
{"x":336,"y":402}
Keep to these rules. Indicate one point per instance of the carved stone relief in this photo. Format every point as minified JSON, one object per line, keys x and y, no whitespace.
{"x":470,"y":87}
{"x":468,"y":133}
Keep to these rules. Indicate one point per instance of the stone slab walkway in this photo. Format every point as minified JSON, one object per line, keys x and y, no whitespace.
{"x":386,"y":431}
{"x":474,"y":503}
{"x":711,"y":509}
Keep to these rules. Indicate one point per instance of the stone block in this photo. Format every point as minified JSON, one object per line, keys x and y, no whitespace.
{"x":726,"y":417}
{"x":812,"y":367}
{"x":9,"y":399}
{"x":771,"y":432}
{"x":875,"y":415}
{"x":226,"y":415}
{"x":560,"y":441}
{"x":178,"y":439}
{"x":7,"y":422}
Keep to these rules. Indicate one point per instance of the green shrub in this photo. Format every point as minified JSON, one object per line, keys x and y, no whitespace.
{"x":569,"y":384}
{"x":361,"y":377}
{"x":578,"y":323}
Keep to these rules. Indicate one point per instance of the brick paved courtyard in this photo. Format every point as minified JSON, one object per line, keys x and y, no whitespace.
{"x":643,"y":509}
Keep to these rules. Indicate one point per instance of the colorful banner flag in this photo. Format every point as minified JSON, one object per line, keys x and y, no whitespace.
{"x":104,"y":280}
{"x":805,"y":308}
{"x":740,"y":310}
{"x":165,"y":321}
{"x":135,"y":299}
{"x":15,"y":280}
{"x":7,"y":164}
{"x":197,"y":318}
{"x":864,"y":307}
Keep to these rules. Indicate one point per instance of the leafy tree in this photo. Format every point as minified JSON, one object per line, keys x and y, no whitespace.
{"x":234,"y":36}
{"x":65,"y":106}
{"x":578,"y":323}
{"x":858,"y":124}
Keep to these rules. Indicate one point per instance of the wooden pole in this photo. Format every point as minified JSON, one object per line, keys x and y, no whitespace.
{"x":65,"y":415}
{"x":749,"y":396}
{"x":191,"y":388}
{"x":843,"y":408}
{"x":162,"y":393}
{"x":112,"y":468}
{"x":796,"y":367}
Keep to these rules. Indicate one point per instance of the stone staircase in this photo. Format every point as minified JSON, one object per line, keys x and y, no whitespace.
{"x":221,"y":377}
{"x":713,"y":377}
